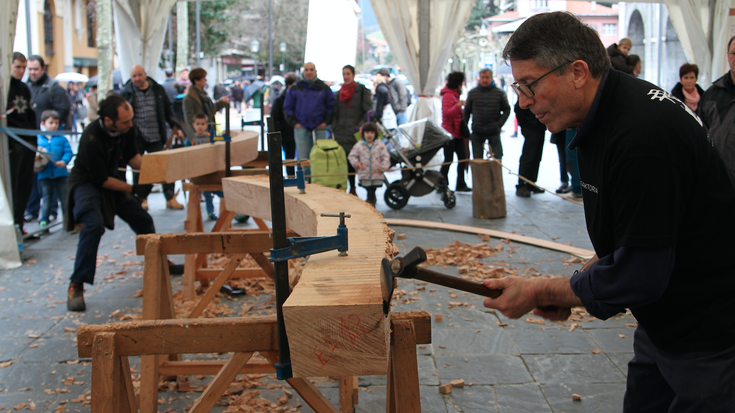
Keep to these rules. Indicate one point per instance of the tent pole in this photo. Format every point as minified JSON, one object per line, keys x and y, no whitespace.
{"x":424,"y":42}
{"x":270,"y":39}
{"x":105,"y":52}
{"x":182,"y":36}
{"x":199,"y":38}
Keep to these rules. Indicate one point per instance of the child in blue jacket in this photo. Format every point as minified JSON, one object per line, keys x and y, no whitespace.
{"x":52,"y":178}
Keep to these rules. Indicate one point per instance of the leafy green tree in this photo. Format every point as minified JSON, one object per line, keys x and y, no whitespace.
{"x":215,"y":26}
{"x":482,"y":9}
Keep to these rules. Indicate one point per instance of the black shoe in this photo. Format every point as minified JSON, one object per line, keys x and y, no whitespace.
{"x":29,"y":218}
{"x":535,"y":190}
{"x":75,"y":297}
{"x":463,"y":189}
{"x":523,"y":191}
{"x":175,"y":269}
{"x":564,"y":189}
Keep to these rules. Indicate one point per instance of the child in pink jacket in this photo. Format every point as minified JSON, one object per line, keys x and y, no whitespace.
{"x":370,"y":158}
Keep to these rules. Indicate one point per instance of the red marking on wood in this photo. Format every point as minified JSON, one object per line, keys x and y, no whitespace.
{"x":327,"y":342}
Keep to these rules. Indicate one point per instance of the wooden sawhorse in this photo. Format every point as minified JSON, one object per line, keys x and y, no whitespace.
{"x":193,"y":263}
{"x":110,"y":345}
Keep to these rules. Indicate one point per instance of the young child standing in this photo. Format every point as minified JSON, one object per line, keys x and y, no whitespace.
{"x":370,"y":158}
{"x":52,"y":178}
{"x":201,"y":136}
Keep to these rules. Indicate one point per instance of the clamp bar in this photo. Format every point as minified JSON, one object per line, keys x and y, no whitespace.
{"x":278,"y":220}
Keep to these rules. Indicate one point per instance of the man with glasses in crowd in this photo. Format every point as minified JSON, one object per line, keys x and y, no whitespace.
{"x":658,"y":204}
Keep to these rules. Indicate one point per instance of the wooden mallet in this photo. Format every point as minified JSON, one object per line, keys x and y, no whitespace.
{"x":407,"y":267}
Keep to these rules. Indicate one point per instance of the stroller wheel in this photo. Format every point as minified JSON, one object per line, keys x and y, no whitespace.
{"x":450,"y":200}
{"x":396,"y":196}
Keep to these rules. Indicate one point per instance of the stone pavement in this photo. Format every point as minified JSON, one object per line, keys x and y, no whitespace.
{"x":508,"y":365}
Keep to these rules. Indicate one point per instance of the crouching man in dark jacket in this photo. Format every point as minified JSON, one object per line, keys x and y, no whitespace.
{"x":98,"y":191}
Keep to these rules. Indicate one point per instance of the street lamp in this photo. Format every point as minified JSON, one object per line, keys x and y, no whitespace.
{"x":282,"y":48}
{"x":254,"y":47}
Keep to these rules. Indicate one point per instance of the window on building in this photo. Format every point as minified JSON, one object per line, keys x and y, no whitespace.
{"x":609,"y":29}
{"x":91,"y":23}
{"x":540,"y":4}
{"x":48,"y":28}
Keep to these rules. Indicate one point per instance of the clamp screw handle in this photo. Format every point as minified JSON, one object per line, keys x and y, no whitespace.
{"x":341,"y":217}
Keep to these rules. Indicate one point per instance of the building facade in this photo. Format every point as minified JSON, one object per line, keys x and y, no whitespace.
{"x":61,"y":31}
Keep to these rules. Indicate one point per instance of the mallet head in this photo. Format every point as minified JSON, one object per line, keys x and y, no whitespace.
{"x":404,"y":267}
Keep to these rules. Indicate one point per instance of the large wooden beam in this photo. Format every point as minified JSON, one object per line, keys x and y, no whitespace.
{"x":209,"y":242}
{"x":334,"y":316}
{"x":181,"y":336}
{"x":173,"y":165}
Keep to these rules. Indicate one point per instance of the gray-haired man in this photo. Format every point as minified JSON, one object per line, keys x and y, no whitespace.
{"x":658,"y":204}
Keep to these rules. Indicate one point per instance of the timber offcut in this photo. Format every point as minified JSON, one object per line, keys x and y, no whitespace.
{"x":334,"y":316}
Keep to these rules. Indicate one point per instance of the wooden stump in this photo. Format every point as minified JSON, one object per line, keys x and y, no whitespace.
{"x":488,"y":194}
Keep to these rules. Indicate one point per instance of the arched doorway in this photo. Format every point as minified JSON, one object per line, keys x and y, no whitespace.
{"x":636,"y":33}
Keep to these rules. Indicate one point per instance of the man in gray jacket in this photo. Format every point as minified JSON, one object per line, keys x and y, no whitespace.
{"x":489,"y":109}
{"x":398,"y":95}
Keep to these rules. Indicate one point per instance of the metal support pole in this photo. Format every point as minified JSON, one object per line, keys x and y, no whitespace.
{"x":28,"y":27}
{"x":228,"y":172}
{"x":262,"y":125}
{"x":170,"y":57}
{"x":424,"y":42}
{"x":270,"y":39}
{"x":199,"y":39}
{"x":278,"y":220}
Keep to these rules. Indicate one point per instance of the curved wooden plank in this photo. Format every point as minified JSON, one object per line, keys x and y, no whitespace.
{"x":334,"y":316}
{"x":579,"y":252}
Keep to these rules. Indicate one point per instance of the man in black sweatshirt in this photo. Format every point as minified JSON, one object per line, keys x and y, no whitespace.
{"x":21,"y":116}
{"x":658,"y":203}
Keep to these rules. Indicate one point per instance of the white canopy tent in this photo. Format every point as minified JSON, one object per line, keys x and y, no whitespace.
{"x":140,"y":28}
{"x":327,"y":18}
{"x":9,"y":255}
{"x":421,"y":35}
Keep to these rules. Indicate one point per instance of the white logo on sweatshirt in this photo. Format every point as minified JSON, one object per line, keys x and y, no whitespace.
{"x":661,"y":95}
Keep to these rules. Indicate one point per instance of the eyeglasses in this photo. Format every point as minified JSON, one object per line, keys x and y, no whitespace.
{"x":525,"y":88}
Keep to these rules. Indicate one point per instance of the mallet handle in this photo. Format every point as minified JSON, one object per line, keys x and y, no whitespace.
{"x":456,"y":283}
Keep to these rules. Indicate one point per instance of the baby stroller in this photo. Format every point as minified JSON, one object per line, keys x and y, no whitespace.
{"x":412,"y":145}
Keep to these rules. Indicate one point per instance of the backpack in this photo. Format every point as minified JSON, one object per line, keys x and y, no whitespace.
{"x":328,"y":158}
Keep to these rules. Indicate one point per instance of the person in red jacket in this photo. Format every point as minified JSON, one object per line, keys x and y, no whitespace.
{"x":452,"y":122}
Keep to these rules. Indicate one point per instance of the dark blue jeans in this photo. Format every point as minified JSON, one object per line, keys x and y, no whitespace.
{"x":208,"y":202}
{"x":52,"y":189}
{"x":659,"y":381}
{"x":88,"y":211}
{"x":572,"y":161}
{"x":34,"y":202}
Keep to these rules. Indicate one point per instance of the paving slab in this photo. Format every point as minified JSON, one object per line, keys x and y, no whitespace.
{"x":522,"y":398}
{"x":483,"y":369}
{"x":595,"y":398}
{"x":573,"y":368}
{"x":547,"y":342}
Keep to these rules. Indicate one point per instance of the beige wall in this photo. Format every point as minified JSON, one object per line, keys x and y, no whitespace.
{"x":55,"y":63}
{"x":80,"y":49}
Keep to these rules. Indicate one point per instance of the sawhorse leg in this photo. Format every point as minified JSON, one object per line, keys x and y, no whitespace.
{"x":403,"y":394}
